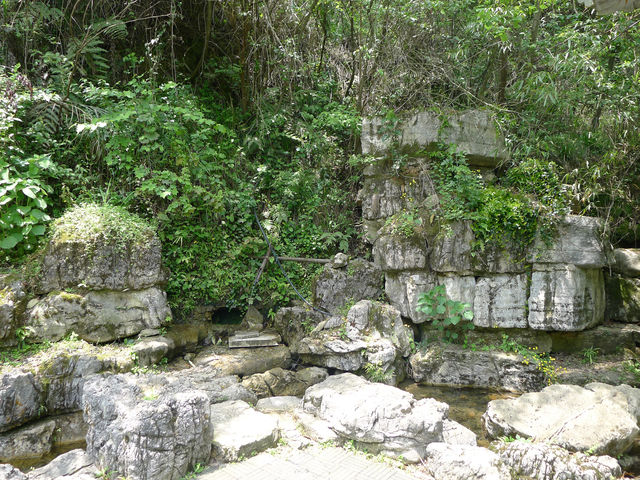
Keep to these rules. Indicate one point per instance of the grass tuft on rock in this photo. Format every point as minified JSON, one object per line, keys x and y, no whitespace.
{"x":92,"y":223}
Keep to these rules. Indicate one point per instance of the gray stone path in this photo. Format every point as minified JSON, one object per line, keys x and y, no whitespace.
{"x":314,"y":463}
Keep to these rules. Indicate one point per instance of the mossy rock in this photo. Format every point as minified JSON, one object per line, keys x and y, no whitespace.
{"x":101,"y":247}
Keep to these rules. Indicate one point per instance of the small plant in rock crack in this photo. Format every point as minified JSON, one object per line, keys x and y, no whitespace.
{"x":450,"y":317}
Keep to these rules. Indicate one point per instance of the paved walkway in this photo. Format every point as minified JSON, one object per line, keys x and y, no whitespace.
{"x":313,"y":463}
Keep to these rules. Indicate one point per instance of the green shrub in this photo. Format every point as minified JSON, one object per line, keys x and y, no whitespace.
{"x":452,"y":318}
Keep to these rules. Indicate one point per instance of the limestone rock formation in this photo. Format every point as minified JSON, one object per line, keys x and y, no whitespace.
{"x":12,"y":302}
{"x":97,"y":316}
{"x":280,"y":382}
{"x":473,"y":131}
{"x":73,"y":465}
{"x":566,"y":298}
{"x":146,"y":428}
{"x":378,"y":417}
{"x":626,"y":261}
{"x":240,"y":431}
{"x":539,"y":461}
{"x":599,"y":419}
{"x":622,"y":298}
{"x":20,"y":399}
{"x":336,"y":286}
{"x":99,"y":265}
{"x":243,"y":361}
{"x":447,"y":364}
{"x":372,"y":336}
{"x":464,"y":462}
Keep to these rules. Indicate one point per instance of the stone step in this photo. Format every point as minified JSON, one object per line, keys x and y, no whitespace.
{"x":262,"y":339}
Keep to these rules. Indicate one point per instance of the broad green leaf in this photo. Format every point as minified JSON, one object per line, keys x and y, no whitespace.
{"x":11,"y":241}
{"x":30,"y":191}
{"x":468,"y":315}
{"x":38,"y":230}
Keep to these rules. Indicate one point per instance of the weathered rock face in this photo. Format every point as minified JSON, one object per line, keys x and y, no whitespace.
{"x":626,"y":261}
{"x":97,"y":316}
{"x":73,"y":465}
{"x":101,"y":266}
{"x":243,"y":361}
{"x":623,"y":298}
{"x":473,"y":131}
{"x":7,"y":472}
{"x":446,"y":364}
{"x":280,"y":382}
{"x":218,"y":389}
{"x":372,"y":334}
{"x":12,"y":302}
{"x":598,"y":418}
{"x":464,"y":462}
{"x":378,"y":417}
{"x":239,"y":431}
{"x":20,"y":397}
{"x":566,"y":298}
{"x":397,"y":253}
{"x":337,"y":286}
{"x":546,"y":462}
{"x":452,"y":249}
{"x":500,"y":301}
{"x":578,"y":242}
{"x":145,"y":427}
{"x":607,"y":7}
{"x":293,"y":323}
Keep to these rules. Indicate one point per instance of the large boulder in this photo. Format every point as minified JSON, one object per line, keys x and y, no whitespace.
{"x":447,"y":364}
{"x":146,"y":427}
{"x":539,"y":461}
{"x":243,"y":361}
{"x":97,"y":316}
{"x":597,"y":419}
{"x":372,"y":336}
{"x":626,"y":261}
{"x":218,"y":389}
{"x":380,"y":418}
{"x":473,"y":131}
{"x":101,"y":248}
{"x":280,"y":382}
{"x":623,"y":298}
{"x":566,"y":298}
{"x":31,"y":442}
{"x":335,"y":286}
{"x":240,"y":431}
{"x":464,"y":462}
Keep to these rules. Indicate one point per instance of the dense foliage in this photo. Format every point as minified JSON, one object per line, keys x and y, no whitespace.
{"x":198,"y":114}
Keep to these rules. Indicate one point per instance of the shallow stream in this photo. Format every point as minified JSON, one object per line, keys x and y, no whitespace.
{"x":466,"y":405}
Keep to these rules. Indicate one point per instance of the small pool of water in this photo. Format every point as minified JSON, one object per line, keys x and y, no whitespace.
{"x":466,"y":405}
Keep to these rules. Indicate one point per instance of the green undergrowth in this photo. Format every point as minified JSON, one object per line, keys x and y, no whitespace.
{"x":509,"y":213}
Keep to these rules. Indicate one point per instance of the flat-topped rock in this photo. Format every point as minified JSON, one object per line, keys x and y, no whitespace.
{"x":448,"y":364}
{"x":97,"y":316}
{"x":280,"y":382}
{"x":254,"y":339}
{"x":578,"y":242}
{"x":101,"y":248}
{"x":240,"y":431}
{"x":73,"y":465}
{"x":281,"y":404}
{"x":473,"y":131}
{"x":243,"y":361}
{"x":599,"y":418}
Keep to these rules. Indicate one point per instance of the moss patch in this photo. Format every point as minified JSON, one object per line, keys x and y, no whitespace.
{"x":92,"y":224}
